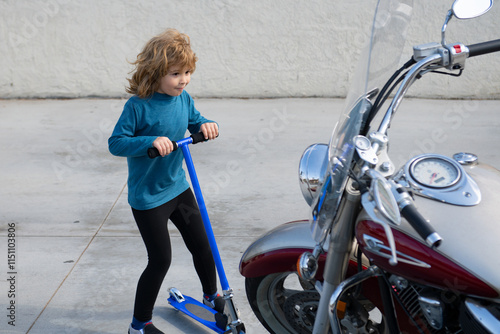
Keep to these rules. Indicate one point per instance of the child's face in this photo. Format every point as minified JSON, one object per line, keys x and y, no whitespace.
{"x":174,"y":82}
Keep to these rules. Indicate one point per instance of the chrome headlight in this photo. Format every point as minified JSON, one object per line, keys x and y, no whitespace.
{"x":312,"y":169}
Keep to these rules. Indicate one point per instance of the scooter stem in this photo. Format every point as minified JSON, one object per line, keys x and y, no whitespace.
{"x":184,"y":145}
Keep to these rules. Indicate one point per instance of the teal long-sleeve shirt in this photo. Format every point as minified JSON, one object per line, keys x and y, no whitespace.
{"x":153,"y":182}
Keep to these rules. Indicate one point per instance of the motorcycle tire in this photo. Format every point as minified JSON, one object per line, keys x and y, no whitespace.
{"x":282,"y":302}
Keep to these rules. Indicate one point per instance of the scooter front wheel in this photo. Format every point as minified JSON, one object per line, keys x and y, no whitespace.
{"x":283,"y":302}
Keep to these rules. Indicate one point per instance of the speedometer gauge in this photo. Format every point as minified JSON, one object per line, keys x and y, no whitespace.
{"x":435,"y":172}
{"x":440,"y":178}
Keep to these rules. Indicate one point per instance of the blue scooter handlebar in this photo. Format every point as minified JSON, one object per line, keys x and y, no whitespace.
{"x":195,"y":138}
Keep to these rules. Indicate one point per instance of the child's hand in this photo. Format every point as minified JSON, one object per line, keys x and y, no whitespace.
{"x":164,"y":145}
{"x":210,"y":130}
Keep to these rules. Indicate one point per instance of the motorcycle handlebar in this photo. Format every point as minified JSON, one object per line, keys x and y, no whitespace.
{"x":421,"y":225}
{"x":484,"y":48}
{"x":196,"y":138}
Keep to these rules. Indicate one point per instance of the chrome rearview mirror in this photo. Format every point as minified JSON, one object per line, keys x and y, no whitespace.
{"x":468,"y":9}
{"x":385,"y":203}
{"x":465,"y":9}
{"x":312,"y":169}
{"x":381,"y":206}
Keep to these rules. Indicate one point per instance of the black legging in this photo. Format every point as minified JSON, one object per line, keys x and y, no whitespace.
{"x":183,"y":211}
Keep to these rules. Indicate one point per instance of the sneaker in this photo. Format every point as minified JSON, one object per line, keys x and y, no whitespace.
{"x":218,"y":303}
{"x":148,"y":329}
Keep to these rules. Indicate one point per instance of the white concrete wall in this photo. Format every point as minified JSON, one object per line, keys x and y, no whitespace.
{"x":258,"y":48}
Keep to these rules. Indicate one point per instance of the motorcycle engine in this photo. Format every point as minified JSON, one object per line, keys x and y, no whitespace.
{"x":480,"y":317}
{"x":444,"y":312}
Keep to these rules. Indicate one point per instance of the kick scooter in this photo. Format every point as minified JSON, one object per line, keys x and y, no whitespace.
{"x":191,"y":307}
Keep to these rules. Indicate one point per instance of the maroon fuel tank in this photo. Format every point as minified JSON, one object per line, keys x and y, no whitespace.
{"x":466,"y":262}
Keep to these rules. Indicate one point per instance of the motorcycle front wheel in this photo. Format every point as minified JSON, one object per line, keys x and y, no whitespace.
{"x":283,"y":302}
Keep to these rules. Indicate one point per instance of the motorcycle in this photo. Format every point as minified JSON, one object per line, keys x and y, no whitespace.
{"x":384,"y":250}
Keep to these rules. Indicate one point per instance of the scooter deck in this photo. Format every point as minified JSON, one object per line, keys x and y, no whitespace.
{"x":198,"y":311}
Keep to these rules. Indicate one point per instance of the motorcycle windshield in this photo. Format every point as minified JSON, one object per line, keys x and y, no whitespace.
{"x":378,"y":61}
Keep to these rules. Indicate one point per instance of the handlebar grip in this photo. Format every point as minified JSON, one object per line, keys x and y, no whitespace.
{"x":196,"y":138}
{"x":422,"y":226}
{"x":153,"y":151}
{"x":484,"y":48}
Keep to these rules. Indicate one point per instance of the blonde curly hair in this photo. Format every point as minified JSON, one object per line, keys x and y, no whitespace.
{"x":170,"y":48}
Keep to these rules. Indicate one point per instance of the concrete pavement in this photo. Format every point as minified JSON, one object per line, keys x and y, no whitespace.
{"x":70,"y":253}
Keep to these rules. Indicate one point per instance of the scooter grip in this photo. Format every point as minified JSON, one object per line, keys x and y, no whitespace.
{"x":198,"y":137}
{"x":153,"y":151}
{"x":421,"y":225}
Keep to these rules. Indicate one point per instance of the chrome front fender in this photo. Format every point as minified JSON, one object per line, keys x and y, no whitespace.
{"x":278,"y":250}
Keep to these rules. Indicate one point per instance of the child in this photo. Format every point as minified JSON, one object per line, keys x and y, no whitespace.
{"x":160,"y":112}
